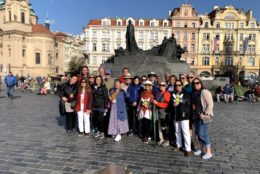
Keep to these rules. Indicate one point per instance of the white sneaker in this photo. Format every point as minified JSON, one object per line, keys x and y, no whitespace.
{"x":207,"y":156}
{"x":197,"y":153}
{"x":118,"y":138}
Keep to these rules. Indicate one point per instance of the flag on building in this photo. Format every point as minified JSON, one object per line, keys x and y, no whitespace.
{"x":215,"y":44}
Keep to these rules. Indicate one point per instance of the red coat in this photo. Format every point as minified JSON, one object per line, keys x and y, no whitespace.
{"x":87,"y":101}
{"x":122,"y":79}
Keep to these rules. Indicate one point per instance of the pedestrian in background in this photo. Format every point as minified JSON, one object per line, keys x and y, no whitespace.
{"x":10,"y":82}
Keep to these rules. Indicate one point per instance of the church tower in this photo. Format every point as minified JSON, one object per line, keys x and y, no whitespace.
{"x":18,"y":15}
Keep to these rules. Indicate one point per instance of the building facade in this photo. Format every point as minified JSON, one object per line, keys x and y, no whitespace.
{"x":26,"y":47}
{"x":102,"y":36}
{"x":229,"y":44}
{"x":185,"y":26}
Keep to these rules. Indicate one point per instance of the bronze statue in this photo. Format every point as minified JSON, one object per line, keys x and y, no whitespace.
{"x":131,"y":45}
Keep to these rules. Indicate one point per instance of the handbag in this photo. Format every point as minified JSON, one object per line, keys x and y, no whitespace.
{"x":206,"y":119}
{"x":62,"y":107}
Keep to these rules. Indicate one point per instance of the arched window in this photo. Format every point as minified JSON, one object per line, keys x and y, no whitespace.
{"x":251,"y":61}
{"x":252,"y":25}
{"x":37,"y":58}
{"x":22,"y":17}
{"x":49,"y":59}
{"x":206,"y":25}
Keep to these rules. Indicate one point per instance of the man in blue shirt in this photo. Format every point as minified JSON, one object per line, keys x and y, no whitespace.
{"x":10,"y":82}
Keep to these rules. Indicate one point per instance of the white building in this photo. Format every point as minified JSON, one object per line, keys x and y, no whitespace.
{"x":102,"y":36}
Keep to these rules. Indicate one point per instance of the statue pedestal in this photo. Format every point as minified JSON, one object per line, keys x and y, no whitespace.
{"x":142,"y":64}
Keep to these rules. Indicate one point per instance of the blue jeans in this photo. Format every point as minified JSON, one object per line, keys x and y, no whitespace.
{"x":10,"y":91}
{"x":202,"y":132}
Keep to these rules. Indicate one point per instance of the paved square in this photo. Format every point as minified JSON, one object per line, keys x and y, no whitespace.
{"x":33,"y":140}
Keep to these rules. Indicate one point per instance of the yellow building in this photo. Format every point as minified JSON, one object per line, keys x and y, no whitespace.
{"x":229,"y":43}
{"x":26,"y":48}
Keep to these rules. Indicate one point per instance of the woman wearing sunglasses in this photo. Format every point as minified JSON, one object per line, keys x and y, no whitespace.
{"x":202,"y":108}
{"x":181,"y":115}
{"x":83,"y":107}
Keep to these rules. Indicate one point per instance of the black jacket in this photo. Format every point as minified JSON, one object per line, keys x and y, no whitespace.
{"x":100,"y":97}
{"x":66,"y":89}
{"x":182,"y":111}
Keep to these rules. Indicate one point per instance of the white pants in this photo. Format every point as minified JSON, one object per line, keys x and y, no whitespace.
{"x":83,"y":122}
{"x":183,"y":127}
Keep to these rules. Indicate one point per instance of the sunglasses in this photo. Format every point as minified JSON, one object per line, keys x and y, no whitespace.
{"x":178,"y":85}
{"x":162,"y":85}
{"x":83,"y":82}
{"x":196,"y":83}
{"x":183,"y":77}
{"x":190,"y":77}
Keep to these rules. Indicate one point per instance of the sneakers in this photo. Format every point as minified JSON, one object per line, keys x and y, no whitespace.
{"x":118,"y":138}
{"x":198,"y":152}
{"x":81,"y":134}
{"x":97,"y":135}
{"x":165,"y":144}
{"x":86,"y":134}
{"x":176,"y":149}
{"x":160,"y":142}
{"x":102,"y":135}
{"x":207,"y":156}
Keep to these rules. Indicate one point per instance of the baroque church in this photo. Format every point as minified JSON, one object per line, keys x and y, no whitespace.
{"x":26,"y":47}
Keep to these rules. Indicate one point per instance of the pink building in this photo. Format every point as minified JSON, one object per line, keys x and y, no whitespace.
{"x":185,"y":25}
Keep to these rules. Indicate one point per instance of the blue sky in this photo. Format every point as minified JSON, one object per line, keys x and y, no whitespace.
{"x":72,"y":15}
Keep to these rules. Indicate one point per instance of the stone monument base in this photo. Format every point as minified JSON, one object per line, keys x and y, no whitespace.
{"x":141,"y":64}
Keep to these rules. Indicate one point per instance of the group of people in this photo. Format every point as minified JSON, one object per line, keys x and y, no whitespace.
{"x":146,"y":106}
{"x":234,"y":93}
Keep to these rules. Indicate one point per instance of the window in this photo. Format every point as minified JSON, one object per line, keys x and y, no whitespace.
{"x":94,"y":60}
{"x":241,"y":37}
{"x":192,"y":48}
{"x":106,"y":47}
{"x":154,"y":35}
{"x":165,"y":24}
{"x":193,"y":25}
{"x":206,"y":25}
{"x":10,"y":52}
{"x":118,"y":35}
{"x":94,"y":34}
{"x":23,"y":52}
{"x":240,"y":61}
{"x":185,"y":25}
{"x":177,"y":35}
{"x":119,"y":23}
{"x":192,"y":62}
{"x":22,"y":17}
{"x":49,"y":59}
{"x":192,"y":36}
{"x":229,"y":47}
{"x":141,"y":23}
{"x":165,"y":34}
{"x":252,"y":25}
{"x":37,"y":58}
{"x":178,"y":24}
{"x":241,"y":25}
{"x":229,"y":60}
{"x":217,"y":61}
{"x":218,"y":25}
{"x":105,"y":22}
{"x":57,"y":56}
{"x":185,"y":47}
{"x":185,"y":36}
{"x":241,"y":48}
{"x":205,"y":61}
{"x":104,"y":59}
{"x":252,"y":36}
{"x":152,"y":24}
{"x":141,"y":35}
{"x":228,"y":36}
{"x":106,"y":34}
{"x":251,"y":48}
{"x":206,"y":36}
{"x":10,"y":16}
{"x":57,"y":69}
{"x":205,"y":48}
{"x":251,"y":61}
{"x":94,"y":47}
{"x":118,"y":46}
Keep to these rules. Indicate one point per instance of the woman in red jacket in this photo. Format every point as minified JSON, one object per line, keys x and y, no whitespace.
{"x":83,"y":107}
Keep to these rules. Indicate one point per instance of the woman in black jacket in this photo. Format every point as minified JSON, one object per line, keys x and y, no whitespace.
{"x":68,"y":93}
{"x":99,"y":106}
{"x":181,"y":115}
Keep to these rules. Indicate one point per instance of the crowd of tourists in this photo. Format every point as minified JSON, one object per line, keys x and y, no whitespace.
{"x":175,"y":111}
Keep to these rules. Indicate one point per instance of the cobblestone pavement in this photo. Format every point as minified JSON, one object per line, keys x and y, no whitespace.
{"x":33,"y":140}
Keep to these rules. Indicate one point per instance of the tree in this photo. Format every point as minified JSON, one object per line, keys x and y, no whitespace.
{"x":76,"y":64}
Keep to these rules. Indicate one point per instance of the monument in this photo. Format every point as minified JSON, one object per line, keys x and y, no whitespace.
{"x":160,"y":59}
